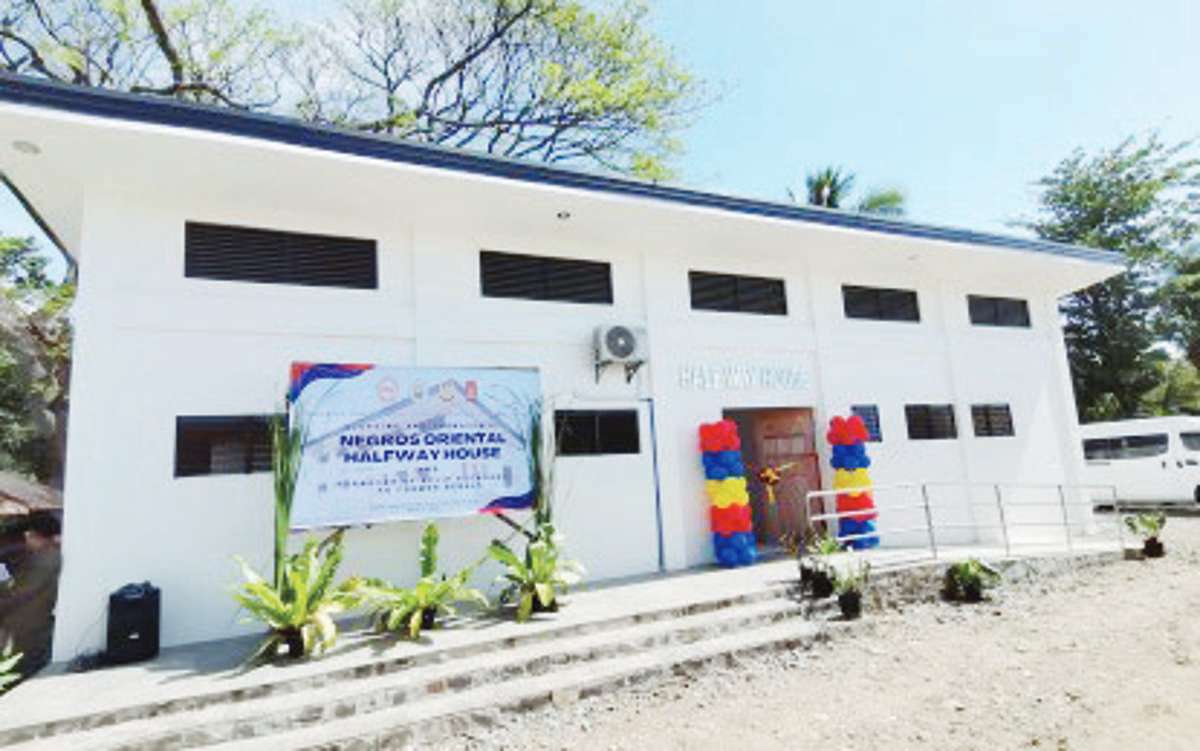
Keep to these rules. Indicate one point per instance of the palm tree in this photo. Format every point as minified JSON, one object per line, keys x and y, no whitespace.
{"x":827,"y":187}
{"x":886,"y":201}
{"x":830,"y":186}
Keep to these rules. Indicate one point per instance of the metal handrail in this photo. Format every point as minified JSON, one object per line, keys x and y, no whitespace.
{"x":1000,"y":503}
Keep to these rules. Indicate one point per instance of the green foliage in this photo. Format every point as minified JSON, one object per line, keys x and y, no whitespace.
{"x":299,"y":612}
{"x":969,"y":578}
{"x":429,"y":543}
{"x":854,"y":579}
{"x":552,"y":80}
{"x":1148,"y":526}
{"x":1177,"y":391}
{"x":543,"y":574}
{"x":35,"y":344}
{"x":1138,"y":199}
{"x":824,"y":546}
{"x":830,"y":187}
{"x":9,"y":675}
{"x":403,"y":609}
{"x":287,"y":450}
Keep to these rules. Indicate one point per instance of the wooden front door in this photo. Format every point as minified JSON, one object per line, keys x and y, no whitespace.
{"x":784,"y":437}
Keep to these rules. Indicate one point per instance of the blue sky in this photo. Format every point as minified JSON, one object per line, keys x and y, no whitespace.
{"x":962,"y":104}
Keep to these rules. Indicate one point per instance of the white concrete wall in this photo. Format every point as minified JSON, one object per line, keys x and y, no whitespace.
{"x":152,"y":345}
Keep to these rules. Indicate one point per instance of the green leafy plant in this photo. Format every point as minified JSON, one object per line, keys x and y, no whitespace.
{"x":967,"y":580}
{"x":413,"y":609}
{"x":824,"y":546}
{"x":9,"y":675}
{"x":429,"y":543}
{"x":853,"y":579}
{"x":299,"y":613}
{"x":1147,"y":526}
{"x":287,"y":447}
{"x":540,"y":577}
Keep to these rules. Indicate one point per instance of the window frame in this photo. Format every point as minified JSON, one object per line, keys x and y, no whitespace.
{"x":987,"y":425}
{"x":598,"y":444}
{"x":977,"y":305}
{"x":242,"y":426}
{"x":911,"y":411}
{"x":545,"y":267}
{"x":884,"y":309}
{"x":775,"y":289}
{"x":241,"y":268}
{"x":874,"y":435}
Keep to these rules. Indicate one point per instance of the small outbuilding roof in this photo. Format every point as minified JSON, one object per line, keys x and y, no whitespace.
{"x":96,"y":102}
{"x":20,"y":497}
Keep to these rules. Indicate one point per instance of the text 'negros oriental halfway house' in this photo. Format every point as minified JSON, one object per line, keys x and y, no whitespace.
{"x":217,"y":248}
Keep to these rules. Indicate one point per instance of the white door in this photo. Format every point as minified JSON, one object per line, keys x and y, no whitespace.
{"x":604,"y":488}
{"x":1185,"y":452}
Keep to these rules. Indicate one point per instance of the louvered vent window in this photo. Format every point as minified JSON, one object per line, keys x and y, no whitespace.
{"x":930,"y":422}
{"x":225,"y":445}
{"x":732,"y":293}
{"x":241,"y":254}
{"x":523,"y":277}
{"x":998,"y":311}
{"x":880,"y":303}
{"x":992,"y":420}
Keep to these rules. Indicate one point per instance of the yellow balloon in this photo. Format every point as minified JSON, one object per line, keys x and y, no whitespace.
{"x":858,"y":478}
{"x":727,"y":492}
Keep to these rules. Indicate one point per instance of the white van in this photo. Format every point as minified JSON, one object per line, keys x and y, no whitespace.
{"x":1149,"y":460}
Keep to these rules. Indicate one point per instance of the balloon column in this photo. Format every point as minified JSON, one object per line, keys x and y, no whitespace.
{"x":848,"y":438}
{"x":725,"y":482}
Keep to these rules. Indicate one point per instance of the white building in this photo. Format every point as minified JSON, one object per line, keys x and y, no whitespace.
{"x":820,"y":311}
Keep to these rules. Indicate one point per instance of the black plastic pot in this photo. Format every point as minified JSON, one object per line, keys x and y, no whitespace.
{"x":822,"y":585}
{"x":806,"y":576}
{"x":972,"y":592}
{"x":428,"y":619}
{"x":851,"y":604}
{"x":538,"y":607}
{"x":295,"y":643}
{"x":1153,"y":548}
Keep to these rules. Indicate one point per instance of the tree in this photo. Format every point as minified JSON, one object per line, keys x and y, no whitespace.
{"x":35,"y":341}
{"x":214,"y":51}
{"x":551,"y":80}
{"x":1178,"y":390}
{"x":1133,"y":199}
{"x":830,"y":187}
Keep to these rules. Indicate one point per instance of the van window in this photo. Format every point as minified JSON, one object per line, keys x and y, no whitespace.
{"x":1191,"y":441}
{"x":1126,"y":447}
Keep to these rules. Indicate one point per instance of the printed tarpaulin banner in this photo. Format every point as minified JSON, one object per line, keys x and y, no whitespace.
{"x":401,"y":443}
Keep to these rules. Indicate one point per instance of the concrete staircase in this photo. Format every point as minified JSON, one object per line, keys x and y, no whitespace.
{"x":423,"y":695}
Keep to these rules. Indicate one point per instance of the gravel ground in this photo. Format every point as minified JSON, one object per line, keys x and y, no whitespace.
{"x":1105,"y":659}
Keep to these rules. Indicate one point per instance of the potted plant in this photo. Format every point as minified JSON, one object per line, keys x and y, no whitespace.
{"x":1149,"y":526}
{"x":299,"y":613}
{"x":967,"y":580}
{"x":816,"y":574}
{"x":412,"y":610}
{"x":850,"y":585}
{"x":535,"y":583}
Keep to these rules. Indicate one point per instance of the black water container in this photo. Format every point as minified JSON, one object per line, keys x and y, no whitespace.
{"x":133,"y":619}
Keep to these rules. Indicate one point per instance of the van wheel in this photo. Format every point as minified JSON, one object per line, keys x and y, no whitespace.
{"x":1196,"y":495}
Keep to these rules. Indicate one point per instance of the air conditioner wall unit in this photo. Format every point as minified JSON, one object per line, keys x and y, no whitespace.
{"x":619,"y":344}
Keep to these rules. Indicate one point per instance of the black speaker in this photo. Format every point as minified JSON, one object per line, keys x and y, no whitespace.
{"x":133,"y":618}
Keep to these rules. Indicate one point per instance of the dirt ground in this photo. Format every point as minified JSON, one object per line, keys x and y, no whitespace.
{"x":1106,"y":659}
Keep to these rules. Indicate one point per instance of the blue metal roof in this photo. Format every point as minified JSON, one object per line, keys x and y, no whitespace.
{"x":170,"y":112}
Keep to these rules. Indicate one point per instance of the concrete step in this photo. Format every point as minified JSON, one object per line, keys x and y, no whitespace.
{"x":423,"y":723}
{"x":272,"y":685}
{"x":282,"y":712}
